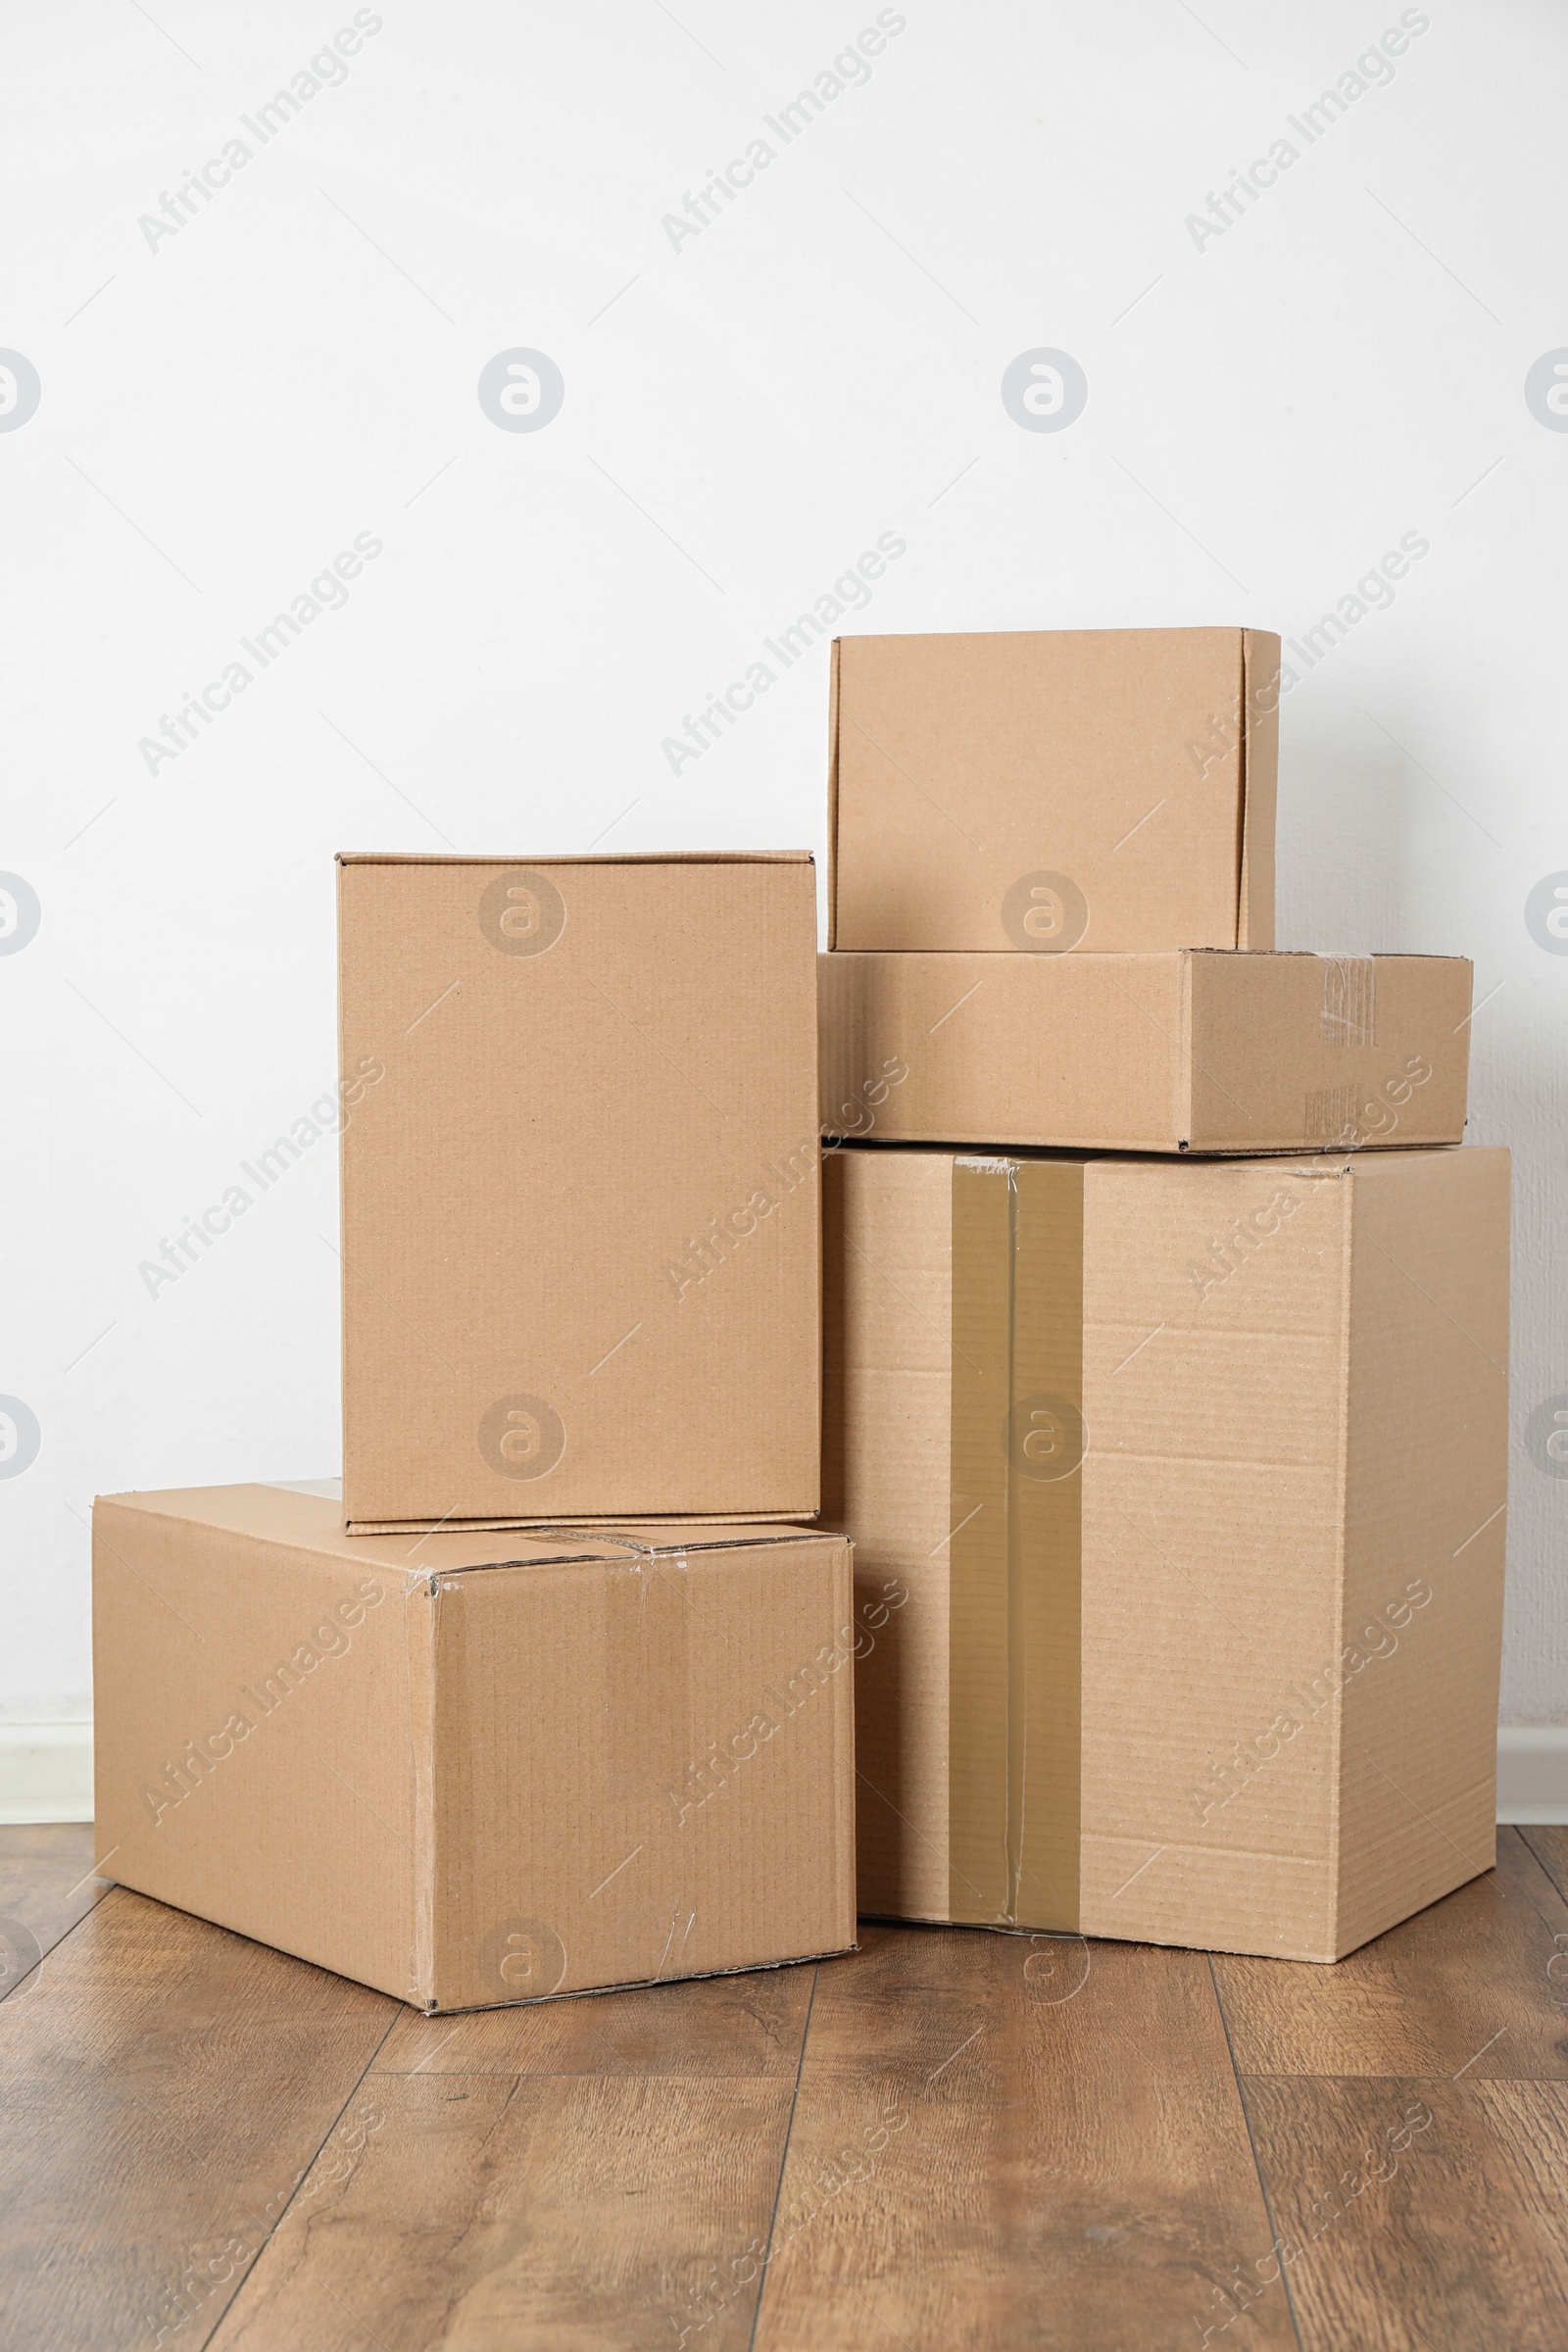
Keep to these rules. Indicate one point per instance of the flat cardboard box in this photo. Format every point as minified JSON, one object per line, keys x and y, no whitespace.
{"x":1177,"y":1490}
{"x":1172,"y":1053}
{"x":469,"y":1771}
{"x":1046,"y":791}
{"x":581,"y":1201}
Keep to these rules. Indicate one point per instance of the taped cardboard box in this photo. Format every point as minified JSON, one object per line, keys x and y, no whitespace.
{"x":1180,"y":1052}
{"x":1180,"y":1488}
{"x":469,"y":1772}
{"x":581,"y":1203}
{"x":1047,"y":791}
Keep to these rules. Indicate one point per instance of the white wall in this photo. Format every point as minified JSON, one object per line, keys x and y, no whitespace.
{"x":225,"y":409}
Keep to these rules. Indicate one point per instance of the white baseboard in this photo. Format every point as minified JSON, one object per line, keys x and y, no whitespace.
{"x":1532,"y":1772}
{"x":45,"y":1771}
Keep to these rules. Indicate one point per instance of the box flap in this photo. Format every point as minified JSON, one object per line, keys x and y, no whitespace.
{"x":302,"y":1521}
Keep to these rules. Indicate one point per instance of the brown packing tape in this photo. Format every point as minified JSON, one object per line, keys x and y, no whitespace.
{"x":647,"y":1605}
{"x":978,"y":1757}
{"x":1045,"y":1543}
{"x":1017,"y":1555}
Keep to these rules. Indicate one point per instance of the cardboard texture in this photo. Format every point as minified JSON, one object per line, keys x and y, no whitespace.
{"x":469,"y":1772}
{"x":1180,"y":1489}
{"x":1088,"y":789}
{"x":582,"y":1225}
{"x":1162,"y":1053}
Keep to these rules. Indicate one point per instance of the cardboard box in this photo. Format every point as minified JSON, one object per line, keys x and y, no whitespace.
{"x":1177,"y":1494}
{"x":1179,"y":1053}
{"x":581,"y":1203}
{"x":1045,"y":791}
{"x":467,"y":1771}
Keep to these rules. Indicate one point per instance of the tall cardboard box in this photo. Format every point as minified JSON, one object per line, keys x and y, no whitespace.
{"x":1180,"y":1486}
{"x":581,"y":1220}
{"x":1185,"y":1052}
{"x":473,"y":1770}
{"x":1046,"y":791}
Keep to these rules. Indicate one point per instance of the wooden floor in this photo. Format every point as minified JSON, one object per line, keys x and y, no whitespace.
{"x":948,"y":2140}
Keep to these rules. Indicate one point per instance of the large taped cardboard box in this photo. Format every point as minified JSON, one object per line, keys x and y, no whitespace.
{"x":1178,"y":1489}
{"x":469,"y":1771}
{"x":1047,"y":791}
{"x":581,"y":1203}
{"x":1180,"y":1052}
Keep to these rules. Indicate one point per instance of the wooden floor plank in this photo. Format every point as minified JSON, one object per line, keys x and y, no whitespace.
{"x":997,"y":2143}
{"x":585,"y":2173}
{"x":1464,"y":1985}
{"x":1404,"y":2234}
{"x":741,"y":2025}
{"x":47,"y":1883}
{"x":164,"y":2086}
{"x":1002,"y":2141}
{"x":1550,"y":1846}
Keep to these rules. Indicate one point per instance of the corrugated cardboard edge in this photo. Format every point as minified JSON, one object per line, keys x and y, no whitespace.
{"x":1182,"y":1108}
{"x":1260,"y":763}
{"x":589,"y":1993}
{"x":1342,"y":1171}
{"x":806,"y":1521}
{"x":846,"y":1859}
{"x":588,"y":1538}
{"x":561,"y":858}
{"x":722,"y":1538}
{"x":833,"y":799}
{"x":343,"y":1225}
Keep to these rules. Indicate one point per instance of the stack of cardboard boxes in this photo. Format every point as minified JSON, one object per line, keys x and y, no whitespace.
{"x":559,"y":1696}
{"x":1174,"y":1483}
{"x":1188,"y":1473}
